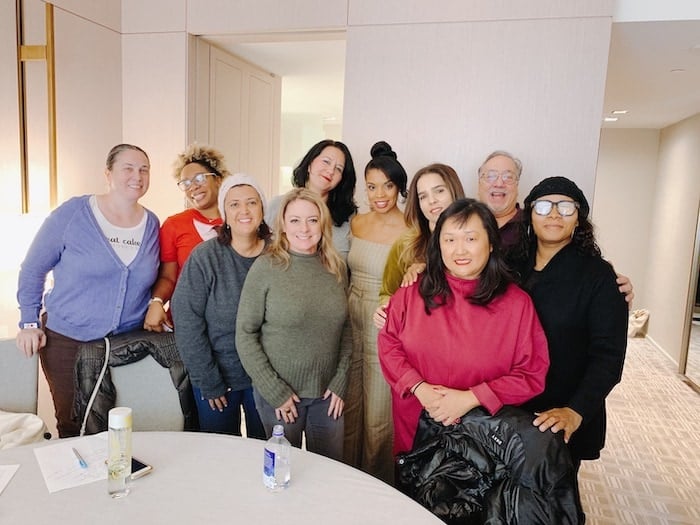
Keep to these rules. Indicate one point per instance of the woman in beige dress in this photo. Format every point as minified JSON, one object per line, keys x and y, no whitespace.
{"x":368,"y":423}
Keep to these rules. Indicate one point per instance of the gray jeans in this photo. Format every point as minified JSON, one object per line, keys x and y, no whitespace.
{"x":324,"y":435}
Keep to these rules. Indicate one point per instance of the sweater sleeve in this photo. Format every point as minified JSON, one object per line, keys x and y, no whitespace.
{"x":607,"y":318}
{"x":394,"y":271}
{"x":43,"y":254}
{"x":528,"y":370}
{"x":249,"y":322}
{"x":398,"y":371}
{"x":189,"y":304}
{"x":339,"y":382}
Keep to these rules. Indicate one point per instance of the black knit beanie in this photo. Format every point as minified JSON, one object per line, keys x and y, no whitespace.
{"x":559,"y":186}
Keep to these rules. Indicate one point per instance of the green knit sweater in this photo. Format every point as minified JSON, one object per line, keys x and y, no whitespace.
{"x":293,"y":332}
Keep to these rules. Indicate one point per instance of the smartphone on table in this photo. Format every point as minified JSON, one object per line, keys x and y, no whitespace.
{"x":139,"y":468}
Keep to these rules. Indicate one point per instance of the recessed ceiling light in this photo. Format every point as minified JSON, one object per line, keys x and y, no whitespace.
{"x":678,"y":70}
{"x":610,"y":119}
{"x":619,"y":112}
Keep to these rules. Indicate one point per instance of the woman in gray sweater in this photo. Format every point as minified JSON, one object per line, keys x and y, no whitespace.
{"x":293,"y":332}
{"x":205,"y":306}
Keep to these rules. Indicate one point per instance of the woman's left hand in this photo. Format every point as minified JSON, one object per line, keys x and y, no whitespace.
{"x":452,"y":405}
{"x":557,"y":419}
{"x":335,"y":409}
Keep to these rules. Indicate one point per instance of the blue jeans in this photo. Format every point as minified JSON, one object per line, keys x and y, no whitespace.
{"x":324,"y":435}
{"x":228,"y":421}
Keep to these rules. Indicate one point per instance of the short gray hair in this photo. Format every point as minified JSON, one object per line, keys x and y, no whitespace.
{"x":502,"y":153}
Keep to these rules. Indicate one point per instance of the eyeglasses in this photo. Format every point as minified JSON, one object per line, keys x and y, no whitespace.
{"x":491,"y":176}
{"x":198,"y":179}
{"x":565,"y":208}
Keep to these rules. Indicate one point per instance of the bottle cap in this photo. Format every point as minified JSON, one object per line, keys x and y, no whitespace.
{"x":119,"y":417}
{"x":278,"y":430}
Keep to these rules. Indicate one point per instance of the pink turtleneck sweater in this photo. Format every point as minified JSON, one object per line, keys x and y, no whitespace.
{"x":498,"y":351}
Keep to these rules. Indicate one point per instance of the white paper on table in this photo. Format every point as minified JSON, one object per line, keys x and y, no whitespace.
{"x":61,"y":469}
{"x":6,"y":473}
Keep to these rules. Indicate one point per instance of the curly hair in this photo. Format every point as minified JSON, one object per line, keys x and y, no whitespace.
{"x":494,"y":278}
{"x":341,"y":199}
{"x":584,"y":235}
{"x":207,"y":156}
{"x":583,"y":238}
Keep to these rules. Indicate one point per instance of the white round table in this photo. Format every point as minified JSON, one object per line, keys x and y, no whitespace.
{"x":208,"y":479}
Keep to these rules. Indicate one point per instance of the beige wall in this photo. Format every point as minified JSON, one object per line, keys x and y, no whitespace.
{"x":672,"y":233}
{"x":624,"y":196}
{"x":646,"y":210}
{"x":451,"y":92}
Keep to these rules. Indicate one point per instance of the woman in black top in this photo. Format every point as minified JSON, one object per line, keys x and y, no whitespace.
{"x":583,"y":314}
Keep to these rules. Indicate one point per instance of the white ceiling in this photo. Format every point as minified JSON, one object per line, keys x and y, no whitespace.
{"x":642,"y":71}
{"x":641,"y":76}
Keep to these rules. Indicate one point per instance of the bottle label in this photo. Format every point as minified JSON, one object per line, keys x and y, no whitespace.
{"x":269,"y":465}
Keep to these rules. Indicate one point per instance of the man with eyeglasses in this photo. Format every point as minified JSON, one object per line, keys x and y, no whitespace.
{"x":499,"y":176}
{"x":498,"y":189}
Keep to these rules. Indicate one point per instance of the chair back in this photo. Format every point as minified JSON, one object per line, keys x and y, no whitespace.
{"x":146,"y":387}
{"x":18,"y":379}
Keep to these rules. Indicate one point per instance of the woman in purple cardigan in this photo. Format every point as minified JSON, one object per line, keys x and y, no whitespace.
{"x":103,"y":252}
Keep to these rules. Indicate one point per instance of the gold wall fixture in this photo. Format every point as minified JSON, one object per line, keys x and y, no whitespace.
{"x":27,"y":53}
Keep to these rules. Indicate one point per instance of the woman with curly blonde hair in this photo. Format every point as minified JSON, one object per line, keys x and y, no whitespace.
{"x":198,"y":171}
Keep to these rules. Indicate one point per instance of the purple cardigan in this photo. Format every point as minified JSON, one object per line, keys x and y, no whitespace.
{"x":94,"y":293}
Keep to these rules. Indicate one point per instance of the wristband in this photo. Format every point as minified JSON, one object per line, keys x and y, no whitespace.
{"x":155,"y":300}
{"x":415,"y":387}
{"x":29,"y":325}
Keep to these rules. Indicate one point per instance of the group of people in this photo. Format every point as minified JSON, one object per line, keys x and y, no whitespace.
{"x":342,"y":326}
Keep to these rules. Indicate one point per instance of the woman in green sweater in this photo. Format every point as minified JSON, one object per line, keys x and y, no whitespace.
{"x":293,"y":331}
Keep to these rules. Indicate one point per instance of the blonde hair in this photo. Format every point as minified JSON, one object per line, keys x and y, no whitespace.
{"x":210,"y":158}
{"x":279,"y":248}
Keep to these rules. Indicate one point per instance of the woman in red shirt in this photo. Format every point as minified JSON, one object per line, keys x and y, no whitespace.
{"x":464,"y":335}
{"x":198,"y":172}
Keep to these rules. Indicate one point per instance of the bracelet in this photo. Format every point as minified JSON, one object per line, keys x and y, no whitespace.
{"x":155,"y":300}
{"x":415,"y":387}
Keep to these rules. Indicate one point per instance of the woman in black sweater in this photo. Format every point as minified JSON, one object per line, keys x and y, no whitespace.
{"x":583,"y":314}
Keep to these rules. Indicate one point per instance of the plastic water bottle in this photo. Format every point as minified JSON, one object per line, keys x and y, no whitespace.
{"x":276,"y":471}
{"x":119,"y":451}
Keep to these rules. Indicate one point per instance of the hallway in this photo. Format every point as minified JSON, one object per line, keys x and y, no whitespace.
{"x":649,"y":471}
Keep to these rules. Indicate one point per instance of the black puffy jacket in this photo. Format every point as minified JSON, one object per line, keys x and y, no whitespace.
{"x":491,"y":469}
{"x":124,"y":349}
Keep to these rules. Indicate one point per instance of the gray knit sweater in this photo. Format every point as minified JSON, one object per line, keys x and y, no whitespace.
{"x":204,"y":306}
{"x":293,"y":331}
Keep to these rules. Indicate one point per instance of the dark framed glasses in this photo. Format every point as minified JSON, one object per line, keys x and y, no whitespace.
{"x":198,"y":179}
{"x":565,"y":208}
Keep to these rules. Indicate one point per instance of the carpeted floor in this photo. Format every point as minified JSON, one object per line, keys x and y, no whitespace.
{"x":649,"y":471}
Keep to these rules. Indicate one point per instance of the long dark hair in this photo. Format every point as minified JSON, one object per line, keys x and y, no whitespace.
{"x":341,"y":199}
{"x":494,"y":278}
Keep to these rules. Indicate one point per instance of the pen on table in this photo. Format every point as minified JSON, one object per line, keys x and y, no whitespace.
{"x":80,"y":459}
